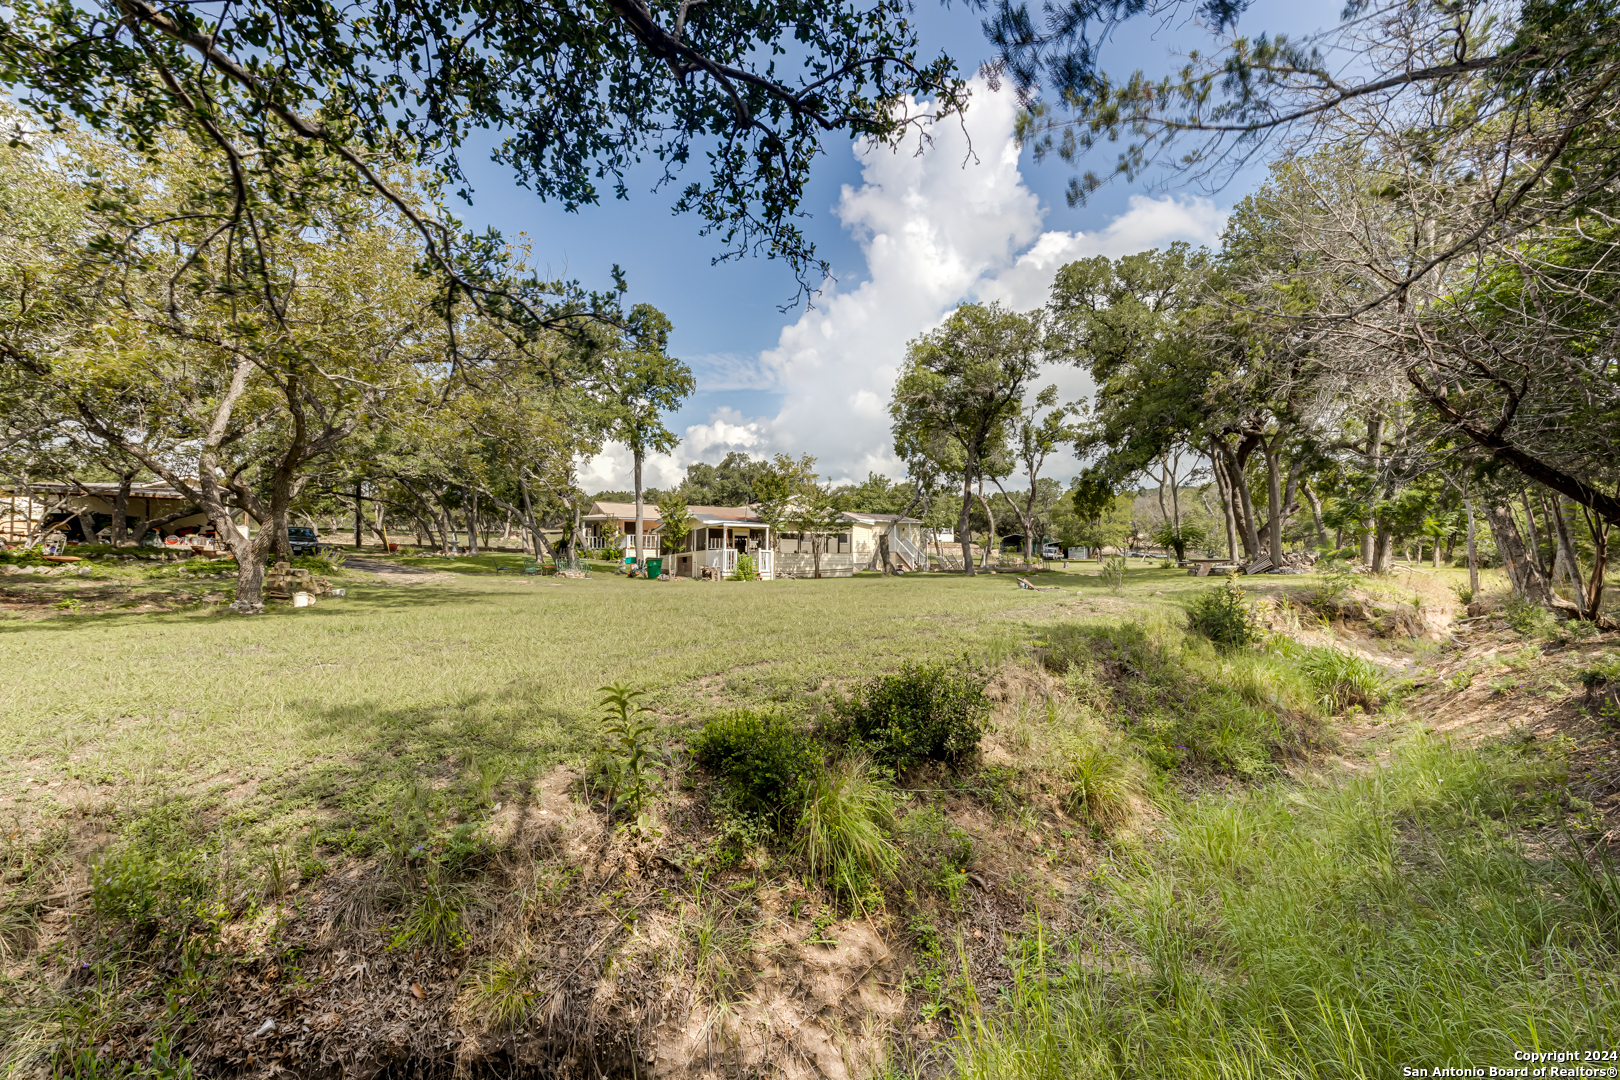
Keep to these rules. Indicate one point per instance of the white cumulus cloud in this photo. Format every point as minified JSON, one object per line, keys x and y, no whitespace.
{"x":954,"y":223}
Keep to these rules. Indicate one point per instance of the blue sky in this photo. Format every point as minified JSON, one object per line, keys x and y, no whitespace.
{"x":908,"y":237}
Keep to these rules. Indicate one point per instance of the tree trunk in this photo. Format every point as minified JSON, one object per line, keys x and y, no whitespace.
{"x":962,"y":524}
{"x":1473,"y":547}
{"x":1223,"y":485}
{"x":1599,"y":530}
{"x":990,"y":518}
{"x":1534,"y":535}
{"x":1383,"y":549}
{"x":469,"y":507}
{"x":1316,"y":513}
{"x":1375,"y":459}
{"x":1523,"y":571}
{"x":1566,"y":556}
{"x":359,"y":514}
{"x":1243,"y":502}
{"x":641,"y":528}
{"x":1274,"y":493}
{"x":120,"y":515}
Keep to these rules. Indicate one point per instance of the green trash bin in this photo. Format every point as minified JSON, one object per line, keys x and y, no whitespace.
{"x":655,"y":569}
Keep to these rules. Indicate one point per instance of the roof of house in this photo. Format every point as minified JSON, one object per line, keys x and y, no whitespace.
{"x":874,"y":519}
{"x":705,"y":515}
{"x":155,"y":490}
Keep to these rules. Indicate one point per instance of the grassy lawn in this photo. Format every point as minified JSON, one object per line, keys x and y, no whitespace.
{"x":363,"y":691}
{"x":1169,"y":858}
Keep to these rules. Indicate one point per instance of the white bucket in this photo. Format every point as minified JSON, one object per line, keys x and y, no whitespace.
{"x":303,"y":599}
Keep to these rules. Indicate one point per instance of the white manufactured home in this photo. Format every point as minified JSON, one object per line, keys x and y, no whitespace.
{"x":718,"y":534}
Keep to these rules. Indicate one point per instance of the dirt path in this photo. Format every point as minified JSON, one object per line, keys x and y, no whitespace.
{"x":394,"y":574}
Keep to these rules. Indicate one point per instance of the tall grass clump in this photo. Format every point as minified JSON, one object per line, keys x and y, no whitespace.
{"x":1104,"y":780}
{"x":1343,"y":679}
{"x":843,"y":831}
{"x":1418,"y":913}
{"x":1181,"y":701}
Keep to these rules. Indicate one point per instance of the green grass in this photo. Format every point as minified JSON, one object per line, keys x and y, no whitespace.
{"x":344,"y":705}
{"x":1334,"y":927}
{"x":1425,"y":914}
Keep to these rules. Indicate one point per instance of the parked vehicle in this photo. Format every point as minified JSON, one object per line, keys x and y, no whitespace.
{"x":1052,"y":551}
{"x":303,"y":540}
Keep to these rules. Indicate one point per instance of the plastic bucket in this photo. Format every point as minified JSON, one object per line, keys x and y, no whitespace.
{"x":655,"y":568}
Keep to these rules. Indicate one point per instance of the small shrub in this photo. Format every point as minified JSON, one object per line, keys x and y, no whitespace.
{"x":164,"y":1063}
{"x":763,"y":759}
{"x":1464,"y":594}
{"x":1527,"y":618}
{"x":315,"y":564}
{"x":1336,"y":582}
{"x":1103,"y":785}
{"x":745,"y":569}
{"x":1223,"y":616}
{"x":502,"y":992}
{"x":1605,"y":671}
{"x":924,"y":713}
{"x":937,"y":854}
{"x":842,"y":832}
{"x":145,"y":888}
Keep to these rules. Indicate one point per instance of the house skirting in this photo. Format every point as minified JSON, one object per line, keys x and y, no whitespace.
{"x":794,"y":564}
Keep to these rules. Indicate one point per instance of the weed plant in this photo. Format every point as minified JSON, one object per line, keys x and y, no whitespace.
{"x":435,"y":918}
{"x":1179,"y":700}
{"x":1342,"y":679}
{"x":623,"y":770}
{"x":1412,"y":914}
{"x":1113,"y":571}
{"x":1104,"y":782}
{"x":500,"y":992}
{"x":935,"y":855}
{"x":1531,"y":620}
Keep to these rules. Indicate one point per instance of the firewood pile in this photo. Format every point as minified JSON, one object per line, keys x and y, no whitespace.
{"x":281,"y":582}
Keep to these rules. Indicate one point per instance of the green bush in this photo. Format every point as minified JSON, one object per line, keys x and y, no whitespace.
{"x":1113,"y":571}
{"x":1180,"y":700}
{"x":923,"y":713}
{"x":1341,"y":679}
{"x":1604,"y":671}
{"x":1224,"y":616}
{"x":317,"y":564}
{"x":1527,"y":618}
{"x":764,"y":759}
